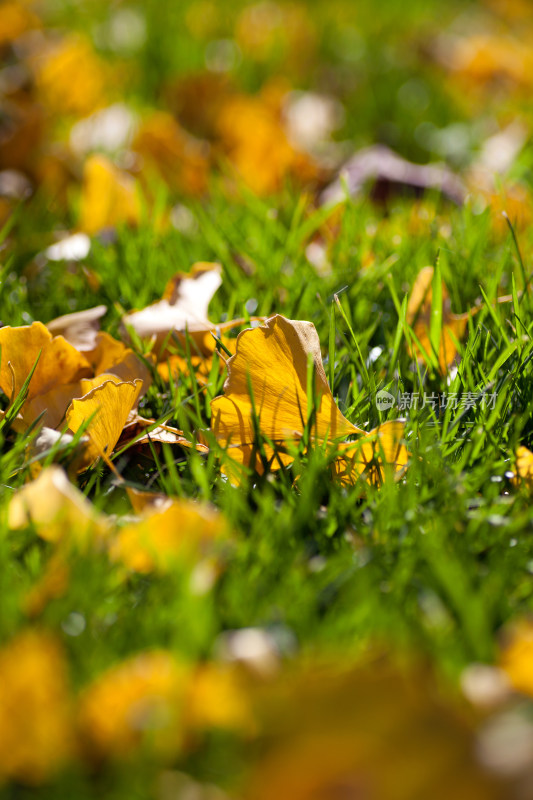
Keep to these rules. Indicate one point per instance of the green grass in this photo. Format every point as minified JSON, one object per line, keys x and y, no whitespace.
{"x":436,"y":564}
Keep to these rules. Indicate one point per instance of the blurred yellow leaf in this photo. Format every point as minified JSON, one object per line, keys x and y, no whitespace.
{"x":109,"y":196}
{"x":56,"y":508}
{"x":516,"y":658}
{"x":137,"y":702}
{"x":178,"y":532}
{"x":36,"y":721}
{"x":524,"y":466}
{"x":258,"y":147}
{"x":108,"y":407}
{"x":217,"y":698}
{"x":180,"y":160}
{"x":70,"y":77}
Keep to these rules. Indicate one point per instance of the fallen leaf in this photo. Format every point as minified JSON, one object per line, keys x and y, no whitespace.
{"x":269,"y":374}
{"x":56,"y":509}
{"x":516,"y":658}
{"x":162,"y":434}
{"x":271,"y":362}
{"x":72,"y":248}
{"x":524,"y":467}
{"x":52,"y":584}
{"x":143,"y":500}
{"x":136,"y":702}
{"x":108,"y":407}
{"x":370,"y":456}
{"x":181,"y":531}
{"x":387,"y":172}
{"x":258,"y":147}
{"x":37,"y":731}
{"x":373,"y":731}
{"x":63,"y":373}
{"x":80,"y":329}
{"x":419,"y":317}
{"x":179,"y":159}
{"x":59,"y":362}
{"x":112,"y":357}
{"x":183,"y":308}
{"x":109,"y":196}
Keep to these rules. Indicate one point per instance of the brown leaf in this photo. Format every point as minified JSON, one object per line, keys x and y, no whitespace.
{"x":387,"y":172}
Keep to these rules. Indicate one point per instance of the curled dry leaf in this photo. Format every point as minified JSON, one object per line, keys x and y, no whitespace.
{"x":107,"y":407}
{"x":162,"y":434}
{"x":56,"y":508}
{"x":183,"y":308}
{"x":183,"y":530}
{"x":386,"y":171}
{"x":80,"y":329}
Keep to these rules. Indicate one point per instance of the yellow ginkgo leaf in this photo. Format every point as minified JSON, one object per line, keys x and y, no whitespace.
{"x":419,"y":316}
{"x":59,"y":363}
{"x":51,"y":406}
{"x":180,"y":531}
{"x":109,"y":196}
{"x":56,"y":508}
{"x":108,"y":407}
{"x":271,"y":363}
{"x":109,"y":359}
{"x":371,"y":455}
